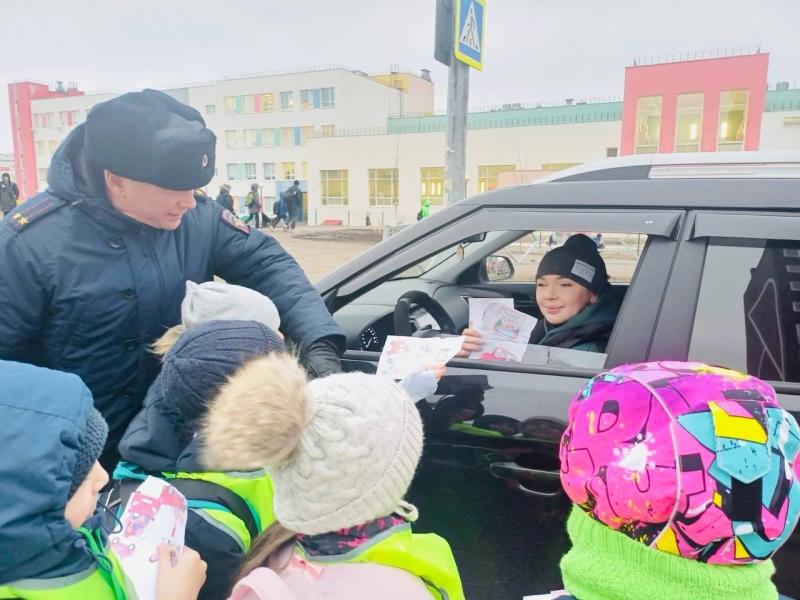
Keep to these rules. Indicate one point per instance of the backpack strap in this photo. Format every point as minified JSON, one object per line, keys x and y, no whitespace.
{"x":205,"y":491}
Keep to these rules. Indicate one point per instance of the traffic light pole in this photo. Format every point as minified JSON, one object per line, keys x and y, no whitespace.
{"x":455,"y":183}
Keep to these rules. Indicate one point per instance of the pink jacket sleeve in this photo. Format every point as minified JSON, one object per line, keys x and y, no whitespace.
{"x":262,"y":584}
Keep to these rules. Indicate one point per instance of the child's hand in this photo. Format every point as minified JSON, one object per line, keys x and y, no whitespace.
{"x":181,"y":579}
{"x":439,"y":369}
{"x":473,"y":341}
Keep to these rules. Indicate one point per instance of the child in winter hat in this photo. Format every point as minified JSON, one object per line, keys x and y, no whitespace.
{"x":684,"y":479}
{"x":342,"y":451}
{"x":162,"y":441}
{"x":52,"y":543}
{"x":219,"y":301}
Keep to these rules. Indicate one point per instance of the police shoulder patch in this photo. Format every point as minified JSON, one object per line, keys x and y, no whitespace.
{"x":231,"y":220}
{"x":31,"y":211}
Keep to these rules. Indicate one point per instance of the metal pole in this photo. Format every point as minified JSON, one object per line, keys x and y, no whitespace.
{"x":455,"y":184}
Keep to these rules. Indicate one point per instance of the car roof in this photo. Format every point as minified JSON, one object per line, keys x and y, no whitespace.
{"x":688,"y":165}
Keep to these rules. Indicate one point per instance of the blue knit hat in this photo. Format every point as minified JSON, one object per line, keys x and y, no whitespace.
{"x":200,"y":363}
{"x":91,"y":441}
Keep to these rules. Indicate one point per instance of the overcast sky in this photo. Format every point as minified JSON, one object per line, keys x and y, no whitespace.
{"x":535,"y":49}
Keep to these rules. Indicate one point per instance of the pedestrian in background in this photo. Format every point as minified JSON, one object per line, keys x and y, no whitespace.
{"x":9,"y":193}
{"x":253,"y":204}
{"x":224,"y":198}
{"x":294,"y":200}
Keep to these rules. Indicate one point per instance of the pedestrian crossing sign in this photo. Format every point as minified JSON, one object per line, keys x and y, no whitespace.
{"x":470,"y":30}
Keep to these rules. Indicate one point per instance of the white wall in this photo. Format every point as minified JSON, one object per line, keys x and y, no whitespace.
{"x":525,"y":147}
{"x":778,"y":135}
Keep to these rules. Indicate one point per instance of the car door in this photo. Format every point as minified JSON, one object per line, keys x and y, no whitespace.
{"x":734,"y":301}
{"x":489,"y":478}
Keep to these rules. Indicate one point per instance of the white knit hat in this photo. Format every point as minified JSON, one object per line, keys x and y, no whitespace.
{"x":218,"y":301}
{"x":342,"y":450}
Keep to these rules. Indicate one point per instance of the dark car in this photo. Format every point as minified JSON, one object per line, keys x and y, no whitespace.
{"x":705,"y":250}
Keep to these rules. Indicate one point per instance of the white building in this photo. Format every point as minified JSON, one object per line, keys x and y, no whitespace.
{"x":368,"y":148}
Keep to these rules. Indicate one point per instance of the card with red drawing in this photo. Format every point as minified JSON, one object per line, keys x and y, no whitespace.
{"x":155,"y":514}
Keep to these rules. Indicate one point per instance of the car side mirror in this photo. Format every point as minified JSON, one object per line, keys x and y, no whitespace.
{"x":496,"y":268}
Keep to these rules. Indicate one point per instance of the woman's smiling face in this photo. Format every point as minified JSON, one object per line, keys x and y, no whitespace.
{"x":560,"y":298}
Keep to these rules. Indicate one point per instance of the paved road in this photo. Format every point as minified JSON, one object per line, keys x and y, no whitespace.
{"x":318,"y":257}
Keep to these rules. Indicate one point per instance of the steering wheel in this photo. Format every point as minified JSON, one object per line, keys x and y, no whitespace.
{"x":402,"y":315}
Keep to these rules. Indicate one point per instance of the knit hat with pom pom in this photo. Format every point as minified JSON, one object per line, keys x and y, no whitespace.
{"x":342,"y":450}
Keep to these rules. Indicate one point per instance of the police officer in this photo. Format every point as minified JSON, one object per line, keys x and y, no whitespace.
{"x":94,"y":268}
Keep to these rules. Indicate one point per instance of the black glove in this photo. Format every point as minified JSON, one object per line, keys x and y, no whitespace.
{"x":321,"y":358}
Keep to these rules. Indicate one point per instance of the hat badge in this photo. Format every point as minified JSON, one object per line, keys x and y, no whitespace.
{"x":205,"y":160}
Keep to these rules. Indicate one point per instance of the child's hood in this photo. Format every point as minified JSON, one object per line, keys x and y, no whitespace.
{"x":43,"y":414}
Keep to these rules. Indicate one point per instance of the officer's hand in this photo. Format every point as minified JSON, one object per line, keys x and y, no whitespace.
{"x":181,"y":578}
{"x":321,"y":358}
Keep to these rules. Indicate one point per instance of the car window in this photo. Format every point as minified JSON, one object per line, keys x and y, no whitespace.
{"x":748,"y":309}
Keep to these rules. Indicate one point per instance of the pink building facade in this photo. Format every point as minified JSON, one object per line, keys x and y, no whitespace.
{"x":705,"y":105}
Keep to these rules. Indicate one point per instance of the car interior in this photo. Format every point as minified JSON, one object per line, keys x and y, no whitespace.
{"x":431,"y":297}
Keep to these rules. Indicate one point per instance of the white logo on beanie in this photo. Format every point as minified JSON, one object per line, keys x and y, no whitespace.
{"x":583,"y":270}
{"x":205,"y":160}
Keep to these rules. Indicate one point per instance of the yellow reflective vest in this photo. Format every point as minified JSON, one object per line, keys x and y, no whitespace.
{"x":426,"y":555}
{"x":102,"y":581}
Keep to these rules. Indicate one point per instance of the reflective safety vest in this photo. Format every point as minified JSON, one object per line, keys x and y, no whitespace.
{"x":426,"y":555}
{"x":254,"y":488}
{"x":102,"y":581}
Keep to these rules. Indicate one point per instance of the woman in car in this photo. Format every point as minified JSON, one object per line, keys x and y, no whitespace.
{"x":573,"y":294}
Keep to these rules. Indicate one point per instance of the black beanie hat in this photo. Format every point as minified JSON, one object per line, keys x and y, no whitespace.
{"x":579,"y":260}
{"x":201,"y":361}
{"x":149,"y":136}
{"x":91,"y":442}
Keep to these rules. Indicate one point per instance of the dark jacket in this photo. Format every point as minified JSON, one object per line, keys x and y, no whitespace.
{"x":9,"y":192}
{"x":225,"y":200}
{"x":41,"y":414}
{"x":85,"y":289}
{"x":589,"y":330}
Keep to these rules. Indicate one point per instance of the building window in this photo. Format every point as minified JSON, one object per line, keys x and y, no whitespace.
{"x":231,"y":138}
{"x":52,"y":146}
{"x":648,"y":124}
{"x":384,"y":187}
{"x":732,"y":119}
{"x":432,"y":185}
{"x":287,"y":102}
{"x":249,"y":103}
{"x":235,"y":171}
{"x":269,"y":171}
{"x":267,"y":103}
{"x":43,"y":120}
{"x":250,"y":171}
{"x":230,"y":105}
{"x":76,"y":116}
{"x":306,"y":99}
{"x":335,"y":190}
{"x":689,"y":123}
{"x":328,"y":130}
{"x":287,"y":136}
{"x":304,"y":170}
{"x":612,"y":152}
{"x":328,"y":98}
{"x":211,"y":109}
{"x":40,"y":148}
{"x":287,"y":168}
{"x":42,"y":178}
{"x":306,"y":133}
{"x":250,"y":138}
{"x":488,"y":176}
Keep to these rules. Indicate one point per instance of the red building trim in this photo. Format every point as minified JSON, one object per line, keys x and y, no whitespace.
{"x":710,"y":77}
{"x":20,"y":96}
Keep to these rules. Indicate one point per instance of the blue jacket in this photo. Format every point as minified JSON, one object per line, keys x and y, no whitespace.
{"x":41,"y":415}
{"x":85,"y":289}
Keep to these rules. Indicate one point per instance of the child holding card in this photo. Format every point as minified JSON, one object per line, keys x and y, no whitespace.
{"x":52,"y":545}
